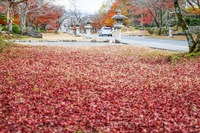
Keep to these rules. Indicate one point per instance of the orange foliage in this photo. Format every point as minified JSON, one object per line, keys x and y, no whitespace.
{"x":2,"y":8}
{"x":3,"y":12}
{"x":109,"y":21}
{"x":118,"y":5}
{"x":99,"y":21}
{"x":195,"y":11}
{"x":48,"y":16}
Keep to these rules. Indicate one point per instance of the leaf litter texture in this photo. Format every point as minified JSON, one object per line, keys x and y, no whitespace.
{"x":97,"y":89}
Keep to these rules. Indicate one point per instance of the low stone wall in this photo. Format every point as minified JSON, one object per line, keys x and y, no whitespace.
{"x":194,"y":29}
{"x":35,"y":41}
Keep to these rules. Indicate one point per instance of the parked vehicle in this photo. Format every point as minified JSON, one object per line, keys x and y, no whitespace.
{"x":105,"y":31}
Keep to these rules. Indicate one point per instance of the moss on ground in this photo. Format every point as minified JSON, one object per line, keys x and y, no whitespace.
{"x":180,"y":56}
{"x":3,"y":43}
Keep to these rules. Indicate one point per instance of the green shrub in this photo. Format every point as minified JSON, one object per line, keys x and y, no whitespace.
{"x":176,"y":57}
{"x":15,"y":29}
{"x":190,"y":55}
{"x":192,"y":21}
{"x":156,"y":30}
{"x":38,"y":31}
{"x":175,"y":28}
{"x":136,"y":27}
{"x":3,"y":17}
{"x":3,"y":28}
{"x":164,"y":31}
{"x":147,"y":28}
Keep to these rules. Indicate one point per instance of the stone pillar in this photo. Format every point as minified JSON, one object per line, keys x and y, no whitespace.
{"x":88,"y":31}
{"x":118,"y":26}
{"x":140,"y":31}
{"x":170,"y":32}
{"x":77,"y":30}
{"x":88,"y":27}
{"x":118,"y":36}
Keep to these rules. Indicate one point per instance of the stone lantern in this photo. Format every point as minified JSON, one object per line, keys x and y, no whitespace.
{"x":170,"y":19}
{"x":119,"y":25}
{"x":170,"y":31}
{"x":88,"y":26}
{"x":140,"y":31}
{"x":77,"y":29}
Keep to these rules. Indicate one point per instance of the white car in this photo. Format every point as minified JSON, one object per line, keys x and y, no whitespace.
{"x":105,"y":31}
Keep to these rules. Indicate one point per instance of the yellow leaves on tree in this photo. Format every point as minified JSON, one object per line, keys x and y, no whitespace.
{"x":195,"y":11}
{"x":125,"y":13}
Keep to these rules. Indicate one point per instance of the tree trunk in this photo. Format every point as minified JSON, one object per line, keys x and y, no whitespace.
{"x":9,"y":18}
{"x":56,"y":30}
{"x":197,"y":48}
{"x":23,"y":24}
{"x":158,"y":26}
{"x":161,"y":23}
{"x":194,"y":46}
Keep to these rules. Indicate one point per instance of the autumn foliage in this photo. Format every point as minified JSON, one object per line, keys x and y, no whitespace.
{"x":36,"y":13}
{"x":2,"y":18}
{"x":48,"y":16}
{"x":97,"y":89}
{"x":194,"y":11}
{"x":112,"y":11}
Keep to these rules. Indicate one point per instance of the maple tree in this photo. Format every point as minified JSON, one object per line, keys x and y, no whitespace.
{"x":125,"y":10}
{"x":2,"y":14}
{"x":117,"y":5}
{"x":195,"y":11}
{"x":154,"y":11}
{"x":100,"y":17}
{"x":24,"y":8}
{"x":10,"y":4}
{"x":98,"y":20}
{"x":48,"y":16}
{"x":26,"y":13}
{"x":112,"y":11}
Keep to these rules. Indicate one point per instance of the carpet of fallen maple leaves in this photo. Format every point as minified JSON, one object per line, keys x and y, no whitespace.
{"x":97,"y":89}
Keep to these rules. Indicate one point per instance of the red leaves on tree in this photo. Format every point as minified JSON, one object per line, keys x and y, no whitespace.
{"x":49,"y":15}
{"x":97,"y":89}
{"x":2,"y":8}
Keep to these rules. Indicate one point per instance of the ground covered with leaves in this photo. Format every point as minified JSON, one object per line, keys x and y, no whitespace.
{"x":97,"y":89}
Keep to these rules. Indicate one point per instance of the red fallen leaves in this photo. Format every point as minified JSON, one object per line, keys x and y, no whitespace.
{"x":97,"y":89}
